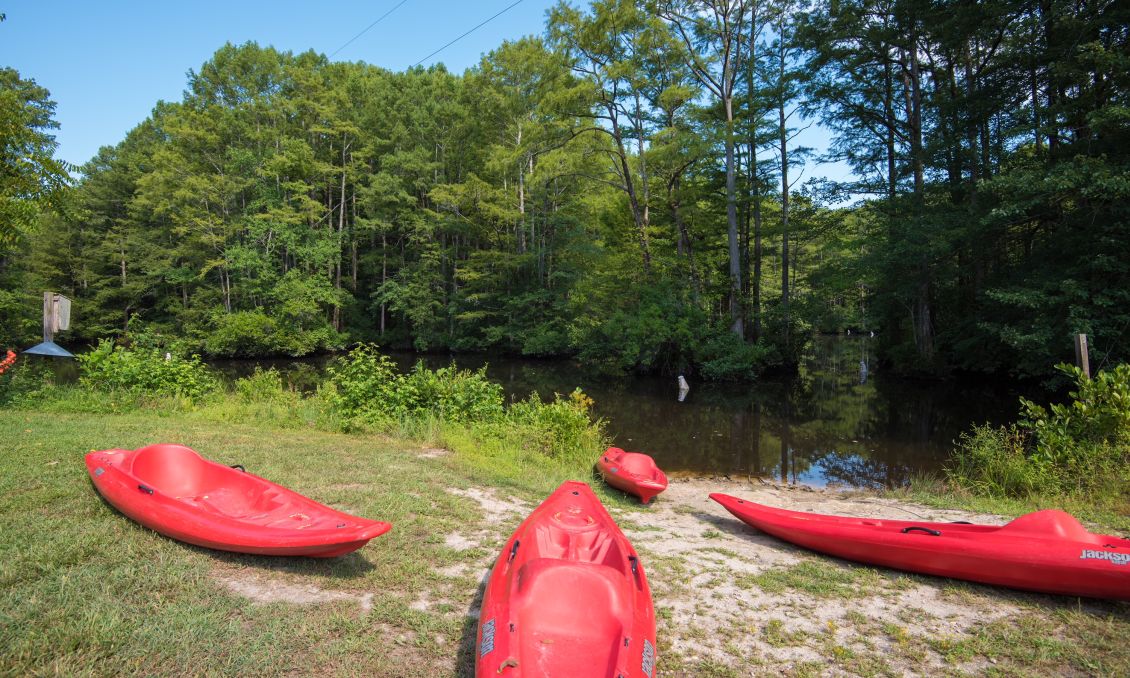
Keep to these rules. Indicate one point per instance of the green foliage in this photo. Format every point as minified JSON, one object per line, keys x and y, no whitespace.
{"x":1080,"y":448}
{"x":365,"y":389}
{"x":262,"y":386}
{"x":31,"y":178}
{"x":725,"y":357}
{"x":146,"y":372}
{"x":562,"y":428}
{"x":24,"y":381}
{"x":360,"y":387}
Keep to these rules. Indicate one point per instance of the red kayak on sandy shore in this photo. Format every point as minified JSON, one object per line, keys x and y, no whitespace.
{"x":173,"y":490}
{"x":567,"y":598}
{"x":632,"y":472}
{"x":1046,"y":551}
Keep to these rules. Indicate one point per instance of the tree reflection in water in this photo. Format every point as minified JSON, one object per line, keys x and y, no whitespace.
{"x":839,"y":421}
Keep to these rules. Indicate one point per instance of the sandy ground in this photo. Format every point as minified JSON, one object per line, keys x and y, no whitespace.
{"x":703,"y":554}
{"x":733,"y":601}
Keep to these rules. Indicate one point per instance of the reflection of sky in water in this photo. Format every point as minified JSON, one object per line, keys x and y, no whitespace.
{"x":842,"y":421}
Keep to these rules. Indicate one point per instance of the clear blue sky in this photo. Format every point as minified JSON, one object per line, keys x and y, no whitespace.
{"x":107,"y":63}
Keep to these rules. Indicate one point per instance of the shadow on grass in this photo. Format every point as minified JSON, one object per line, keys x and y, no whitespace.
{"x":465,"y":659}
{"x":348,"y":566}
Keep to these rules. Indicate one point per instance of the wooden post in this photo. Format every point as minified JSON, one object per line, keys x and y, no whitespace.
{"x":1082,"y":358}
{"x":48,"y":316}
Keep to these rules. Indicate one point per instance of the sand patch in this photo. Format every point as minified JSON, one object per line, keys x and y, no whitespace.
{"x":706,"y":567}
{"x":265,"y":590}
{"x":433,"y":453}
{"x":496,"y":510}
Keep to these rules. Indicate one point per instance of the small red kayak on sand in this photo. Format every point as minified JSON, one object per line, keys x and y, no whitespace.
{"x":632,"y":472}
{"x":1046,"y":551}
{"x":173,"y":490}
{"x":567,"y":598}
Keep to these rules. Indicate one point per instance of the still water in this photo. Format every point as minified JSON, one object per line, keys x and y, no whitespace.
{"x":839,"y":421}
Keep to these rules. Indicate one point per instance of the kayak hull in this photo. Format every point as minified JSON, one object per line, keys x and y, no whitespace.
{"x":1047,"y":551}
{"x":173,"y":490}
{"x":632,"y":472}
{"x":567,"y":597}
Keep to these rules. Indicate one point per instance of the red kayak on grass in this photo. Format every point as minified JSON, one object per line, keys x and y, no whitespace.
{"x":1046,"y":551}
{"x":567,"y":598}
{"x":173,"y":490}
{"x":632,"y":472}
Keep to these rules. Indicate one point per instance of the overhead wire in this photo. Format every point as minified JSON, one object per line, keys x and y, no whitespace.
{"x":379,"y":19}
{"x":484,"y":23}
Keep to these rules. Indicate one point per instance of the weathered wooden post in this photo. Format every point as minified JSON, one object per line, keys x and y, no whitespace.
{"x":1082,"y":358}
{"x":56,"y":317}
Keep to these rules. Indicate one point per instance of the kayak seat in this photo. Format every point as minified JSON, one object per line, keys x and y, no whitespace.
{"x":1051,"y":524}
{"x":175,"y":470}
{"x":570,"y":612}
{"x":180,"y":472}
{"x":579,"y":545}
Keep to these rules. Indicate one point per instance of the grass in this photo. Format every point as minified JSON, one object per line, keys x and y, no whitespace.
{"x":85,"y":591}
{"x":1112,"y":517}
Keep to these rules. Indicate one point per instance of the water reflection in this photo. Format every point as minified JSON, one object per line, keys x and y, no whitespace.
{"x":840,"y":421}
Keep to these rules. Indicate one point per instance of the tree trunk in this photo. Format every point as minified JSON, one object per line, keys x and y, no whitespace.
{"x":737,"y":325}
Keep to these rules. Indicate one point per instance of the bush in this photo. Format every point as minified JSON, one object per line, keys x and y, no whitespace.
{"x":365,"y":389}
{"x":262,"y":386}
{"x":562,"y":428}
{"x":359,"y":387}
{"x":249,"y":334}
{"x":726,"y":357}
{"x":148,"y":372}
{"x":449,"y":394}
{"x":1081,"y":448}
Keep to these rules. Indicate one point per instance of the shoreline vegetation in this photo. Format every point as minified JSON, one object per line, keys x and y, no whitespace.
{"x":438,"y":454}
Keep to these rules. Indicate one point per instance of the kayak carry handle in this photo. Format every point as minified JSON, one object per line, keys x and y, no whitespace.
{"x":145,"y":488}
{"x":513,"y":550}
{"x":239,"y":467}
{"x":932,"y":533}
{"x":635,"y":563}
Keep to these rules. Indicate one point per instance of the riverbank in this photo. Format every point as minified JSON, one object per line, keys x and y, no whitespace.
{"x":85,"y":590}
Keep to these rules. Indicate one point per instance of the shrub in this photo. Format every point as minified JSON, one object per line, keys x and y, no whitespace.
{"x":1078,"y":448}
{"x":562,"y":428}
{"x":365,"y":389}
{"x":109,"y":368}
{"x":360,"y":386}
{"x":262,"y":386}
{"x":450,"y":394}
{"x":726,"y":357}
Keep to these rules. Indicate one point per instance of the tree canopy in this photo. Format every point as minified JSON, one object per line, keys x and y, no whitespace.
{"x":619,"y":189}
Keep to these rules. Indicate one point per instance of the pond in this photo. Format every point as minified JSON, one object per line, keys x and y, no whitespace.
{"x":839,"y":421}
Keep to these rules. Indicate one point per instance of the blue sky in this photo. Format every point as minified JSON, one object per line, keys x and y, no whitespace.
{"x":106,"y":64}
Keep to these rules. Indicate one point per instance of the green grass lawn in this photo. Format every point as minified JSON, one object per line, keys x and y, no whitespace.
{"x":86,"y":591}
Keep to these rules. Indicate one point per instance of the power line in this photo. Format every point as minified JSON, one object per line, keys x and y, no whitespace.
{"x":484,"y":23}
{"x":379,"y":19}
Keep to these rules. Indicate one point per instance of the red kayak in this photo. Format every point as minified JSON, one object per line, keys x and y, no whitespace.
{"x":1046,"y":551}
{"x":567,"y":597}
{"x":632,"y":472}
{"x":173,"y":490}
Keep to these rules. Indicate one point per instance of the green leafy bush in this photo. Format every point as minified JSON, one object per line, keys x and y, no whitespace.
{"x":1080,"y":448}
{"x":725,"y":357}
{"x":562,"y":428}
{"x":149,"y":372}
{"x":450,"y":394}
{"x":262,"y":386}
{"x":365,"y":389}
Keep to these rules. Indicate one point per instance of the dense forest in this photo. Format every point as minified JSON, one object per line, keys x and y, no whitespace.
{"x":626,"y":187}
